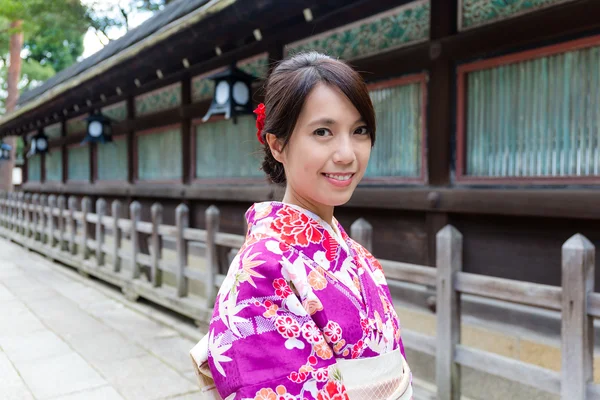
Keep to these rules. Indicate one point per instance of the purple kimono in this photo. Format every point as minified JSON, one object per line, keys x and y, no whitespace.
{"x":297,"y":296}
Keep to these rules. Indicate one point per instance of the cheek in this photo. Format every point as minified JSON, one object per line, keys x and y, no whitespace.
{"x":363,"y":154}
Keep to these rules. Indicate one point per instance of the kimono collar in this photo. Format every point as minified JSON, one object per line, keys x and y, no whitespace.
{"x":291,"y":222}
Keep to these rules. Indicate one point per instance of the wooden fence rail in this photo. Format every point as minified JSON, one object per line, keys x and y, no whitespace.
{"x":57,"y":228}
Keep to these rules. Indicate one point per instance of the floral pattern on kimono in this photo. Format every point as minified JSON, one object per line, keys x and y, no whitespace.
{"x":297,"y":296}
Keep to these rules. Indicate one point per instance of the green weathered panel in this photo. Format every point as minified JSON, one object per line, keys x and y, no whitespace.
{"x":398,"y":147}
{"x":158,"y":100}
{"x":53,"y":131}
{"x":202,"y":89}
{"x":393,"y":29}
{"x":34,"y":168}
{"x":112,"y":160}
{"x":257,"y":67}
{"x":228,"y":150}
{"x":116,"y":112}
{"x":79,"y":163}
{"x":481,"y":12}
{"x":54,"y":165}
{"x":76,"y":125}
{"x":159,"y":155}
{"x":535,"y":118}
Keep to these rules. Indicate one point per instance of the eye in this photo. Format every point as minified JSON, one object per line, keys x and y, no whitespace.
{"x":322,"y":132}
{"x":363,"y":130}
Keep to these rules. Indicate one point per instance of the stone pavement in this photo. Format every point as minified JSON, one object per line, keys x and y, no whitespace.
{"x":63,"y":336}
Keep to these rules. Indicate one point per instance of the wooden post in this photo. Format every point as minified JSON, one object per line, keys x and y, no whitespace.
{"x":35,"y":200}
{"x":182,"y":221}
{"x":449,"y":263}
{"x":27,"y":216}
{"x":116,"y":214}
{"x":362,"y":232}
{"x":578,"y":257}
{"x":51,"y":225}
{"x":21,"y":203}
{"x":62,"y":204}
{"x":86,"y":205}
{"x":135,"y":210}
{"x":2,"y":207}
{"x":213,"y":217}
{"x":43,"y":222}
{"x":157,"y":218}
{"x":72,"y":225}
{"x":11,"y":212}
{"x":100,"y":212}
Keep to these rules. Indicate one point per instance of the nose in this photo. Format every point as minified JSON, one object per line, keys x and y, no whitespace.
{"x":344,"y":151}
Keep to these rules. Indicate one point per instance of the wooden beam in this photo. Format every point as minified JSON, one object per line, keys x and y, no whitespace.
{"x":186,"y":131}
{"x":64,"y":150}
{"x":440,"y":94}
{"x":130,"y":140}
{"x":564,"y":203}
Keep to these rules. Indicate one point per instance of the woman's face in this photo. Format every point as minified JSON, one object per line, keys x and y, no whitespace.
{"x":328,"y":151}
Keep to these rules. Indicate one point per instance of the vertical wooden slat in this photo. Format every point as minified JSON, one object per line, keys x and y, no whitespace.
{"x":449,"y":262}
{"x":362,"y":232}
{"x":116,"y":214}
{"x":27,"y":215}
{"x":100,"y":231}
{"x":157,"y":217}
{"x":86,"y":206}
{"x":182,"y":222}
{"x":72,"y":224}
{"x":135,"y":211}
{"x":51,"y":219}
{"x":578,"y":257}
{"x":21,"y":200}
{"x":35,"y":201}
{"x":42,"y":218}
{"x":213,"y":217}
{"x":62,"y":203}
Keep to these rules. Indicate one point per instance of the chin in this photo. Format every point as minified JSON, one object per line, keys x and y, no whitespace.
{"x":338,"y":200}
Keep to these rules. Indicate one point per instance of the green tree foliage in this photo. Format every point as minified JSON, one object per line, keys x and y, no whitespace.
{"x":106,"y":16}
{"x":53,"y":32}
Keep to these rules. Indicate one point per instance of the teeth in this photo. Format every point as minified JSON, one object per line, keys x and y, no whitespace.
{"x":339,"y":177}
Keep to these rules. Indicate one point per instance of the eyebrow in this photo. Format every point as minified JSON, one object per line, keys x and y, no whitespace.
{"x":330,"y":122}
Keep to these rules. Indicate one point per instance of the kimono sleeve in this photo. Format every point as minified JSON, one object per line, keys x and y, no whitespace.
{"x":263,"y":344}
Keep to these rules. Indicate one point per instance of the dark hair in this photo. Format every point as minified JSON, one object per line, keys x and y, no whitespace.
{"x":286,"y":90}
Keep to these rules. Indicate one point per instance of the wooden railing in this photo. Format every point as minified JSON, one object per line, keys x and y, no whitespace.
{"x":58,"y":229}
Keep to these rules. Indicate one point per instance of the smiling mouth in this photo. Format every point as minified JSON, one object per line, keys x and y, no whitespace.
{"x":340,"y":177}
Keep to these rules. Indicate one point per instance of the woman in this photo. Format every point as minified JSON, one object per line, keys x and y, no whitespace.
{"x":305,"y":312}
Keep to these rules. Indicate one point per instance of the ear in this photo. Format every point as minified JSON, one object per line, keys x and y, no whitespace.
{"x":276,"y":147}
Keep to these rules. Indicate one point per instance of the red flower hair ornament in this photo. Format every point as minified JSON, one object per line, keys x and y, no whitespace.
{"x":260,"y":122}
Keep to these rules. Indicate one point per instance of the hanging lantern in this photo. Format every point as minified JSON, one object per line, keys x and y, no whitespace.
{"x":99,"y":129}
{"x":39,"y":144}
{"x":5,"y":151}
{"x":233,"y":94}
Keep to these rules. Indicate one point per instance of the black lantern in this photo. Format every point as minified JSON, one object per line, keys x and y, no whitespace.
{"x":5,"y":151}
{"x":99,"y":129}
{"x":39,"y":144}
{"x":233,"y":94}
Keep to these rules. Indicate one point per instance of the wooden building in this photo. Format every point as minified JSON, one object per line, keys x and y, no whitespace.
{"x":488,"y":119}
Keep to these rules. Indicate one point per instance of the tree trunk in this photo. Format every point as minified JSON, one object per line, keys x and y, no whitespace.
{"x":14,"y":75}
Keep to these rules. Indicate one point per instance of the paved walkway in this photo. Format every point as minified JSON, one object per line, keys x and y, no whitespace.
{"x":63,"y":336}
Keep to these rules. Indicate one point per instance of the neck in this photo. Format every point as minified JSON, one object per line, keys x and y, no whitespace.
{"x":324,"y":212}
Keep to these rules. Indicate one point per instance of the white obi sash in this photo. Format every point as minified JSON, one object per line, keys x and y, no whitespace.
{"x":385,"y":377}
